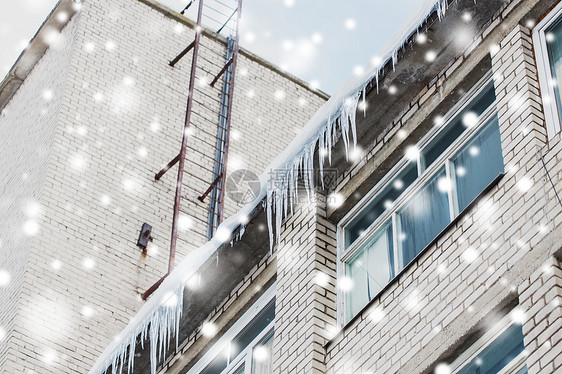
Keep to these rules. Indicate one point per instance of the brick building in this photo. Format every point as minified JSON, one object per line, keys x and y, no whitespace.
{"x":434,"y":247}
{"x":90,"y":112}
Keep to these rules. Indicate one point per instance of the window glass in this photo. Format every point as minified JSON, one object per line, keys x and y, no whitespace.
{"x":554,"y":46}
{"x":217,"y":366}
{"x":262,"y":357}
{"x":478,"y":164}
{"x":420,"y":217}
{"x":384,"y":199}
{"x":370,"y":269}
{"x":498,"y":354}
{"x":424,"y":217}
{"x":241,"y":341}
{"x":466,"y":118}
{"x":252,"y":331}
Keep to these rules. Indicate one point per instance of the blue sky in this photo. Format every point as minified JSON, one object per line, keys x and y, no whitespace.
{"x":320,"y":41}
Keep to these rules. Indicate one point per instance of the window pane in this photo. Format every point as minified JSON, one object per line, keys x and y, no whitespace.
{"x":370,"y":270}
{"x":383,"y":200}
{"x":424,"y":217}
{"x":252,"y":331}
{"x":554,"y":46}
{"x":466,"y":118}
{"x":262,"y":357}
{"x":498,"y":354}
{"x":240,"y":370}
{"x":478,"y":164}
{"x":217,"y":365}
{"x":240,"y":342}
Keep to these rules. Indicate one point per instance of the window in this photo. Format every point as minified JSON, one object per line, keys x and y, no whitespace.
{"x":499,"y":350}
{"x":420,"y":197}
{"x":547,"y":39}
{"x":247,"y":347}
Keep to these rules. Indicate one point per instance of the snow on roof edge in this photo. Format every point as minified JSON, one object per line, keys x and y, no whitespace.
{"x":159,"y":318}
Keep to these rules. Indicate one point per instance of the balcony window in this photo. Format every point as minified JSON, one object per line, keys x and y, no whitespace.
{"x":246,"y":348}
{"x":499,"y":350}
{"x":370,"y":269}
{"x":547,"y":40}
{"x":477,"y":164}
{"x":418,"y":199}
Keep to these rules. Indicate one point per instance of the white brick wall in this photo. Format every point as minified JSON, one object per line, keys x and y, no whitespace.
{"x":27,"y":128}
{"x":305,"y":299}
{"x":541,"y":301}
{"x":115,"y":119}
{"x":427,"y":312}
{"x":94,"y":209}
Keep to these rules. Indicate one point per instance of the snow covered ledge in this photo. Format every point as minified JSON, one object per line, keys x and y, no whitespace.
{"x":172,"y":313}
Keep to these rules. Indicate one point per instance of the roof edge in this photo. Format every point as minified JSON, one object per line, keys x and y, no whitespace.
{"x":167,"y":11}
{"x":36,"y":49}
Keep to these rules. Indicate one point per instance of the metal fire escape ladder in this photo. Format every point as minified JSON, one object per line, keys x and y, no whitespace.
{"x":216,"y":204}
{"x":220,"y":13}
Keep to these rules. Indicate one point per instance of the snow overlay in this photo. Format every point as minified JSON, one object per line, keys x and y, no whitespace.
{"x":158,"y":320}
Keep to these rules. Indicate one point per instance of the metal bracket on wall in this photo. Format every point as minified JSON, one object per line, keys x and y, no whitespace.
{"x":170,"y":164}
{"x":223,"y":70}
{"x":215,"y":182}
{"x":182,"y":54}
{"x":145,"y":236}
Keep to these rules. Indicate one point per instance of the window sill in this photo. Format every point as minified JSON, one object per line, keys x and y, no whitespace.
{"x":359,"y":315}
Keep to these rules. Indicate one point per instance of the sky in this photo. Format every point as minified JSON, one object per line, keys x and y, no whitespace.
{"x":320,"y":41}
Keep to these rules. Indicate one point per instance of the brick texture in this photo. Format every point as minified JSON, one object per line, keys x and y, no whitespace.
{"x":99,"y":115}
{"x":305,"y":301}
{"x":541,"y":299}
{"x":445,"y":296}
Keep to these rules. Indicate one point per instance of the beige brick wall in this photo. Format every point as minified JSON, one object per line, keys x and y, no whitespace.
{"x":27,"y":135}
{"x":541,"y":298}
{"x":115,"y":119}
{"x":445,"y":296}
{"x":305,"y":299}
{"x":427,"y":312}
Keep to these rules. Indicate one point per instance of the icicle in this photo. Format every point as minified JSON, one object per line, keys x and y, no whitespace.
{"x":278,"y":216}
{"x":304,"y":170}
{"x":350,"y":114}
{"x":311,"y":166}
{"x":268,"y":209}
{"x":292,"y":188}
{"x":321,"y":155}
{"x":285,"y":193}
{"x":329,"y":142}
{"x":364,"y":102}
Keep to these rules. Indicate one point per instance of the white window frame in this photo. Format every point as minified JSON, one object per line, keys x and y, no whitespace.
{"x":548,"y":92}
{"x":344,"y":254}
{"x":223,"y":344}
{"x":484,"y":341}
